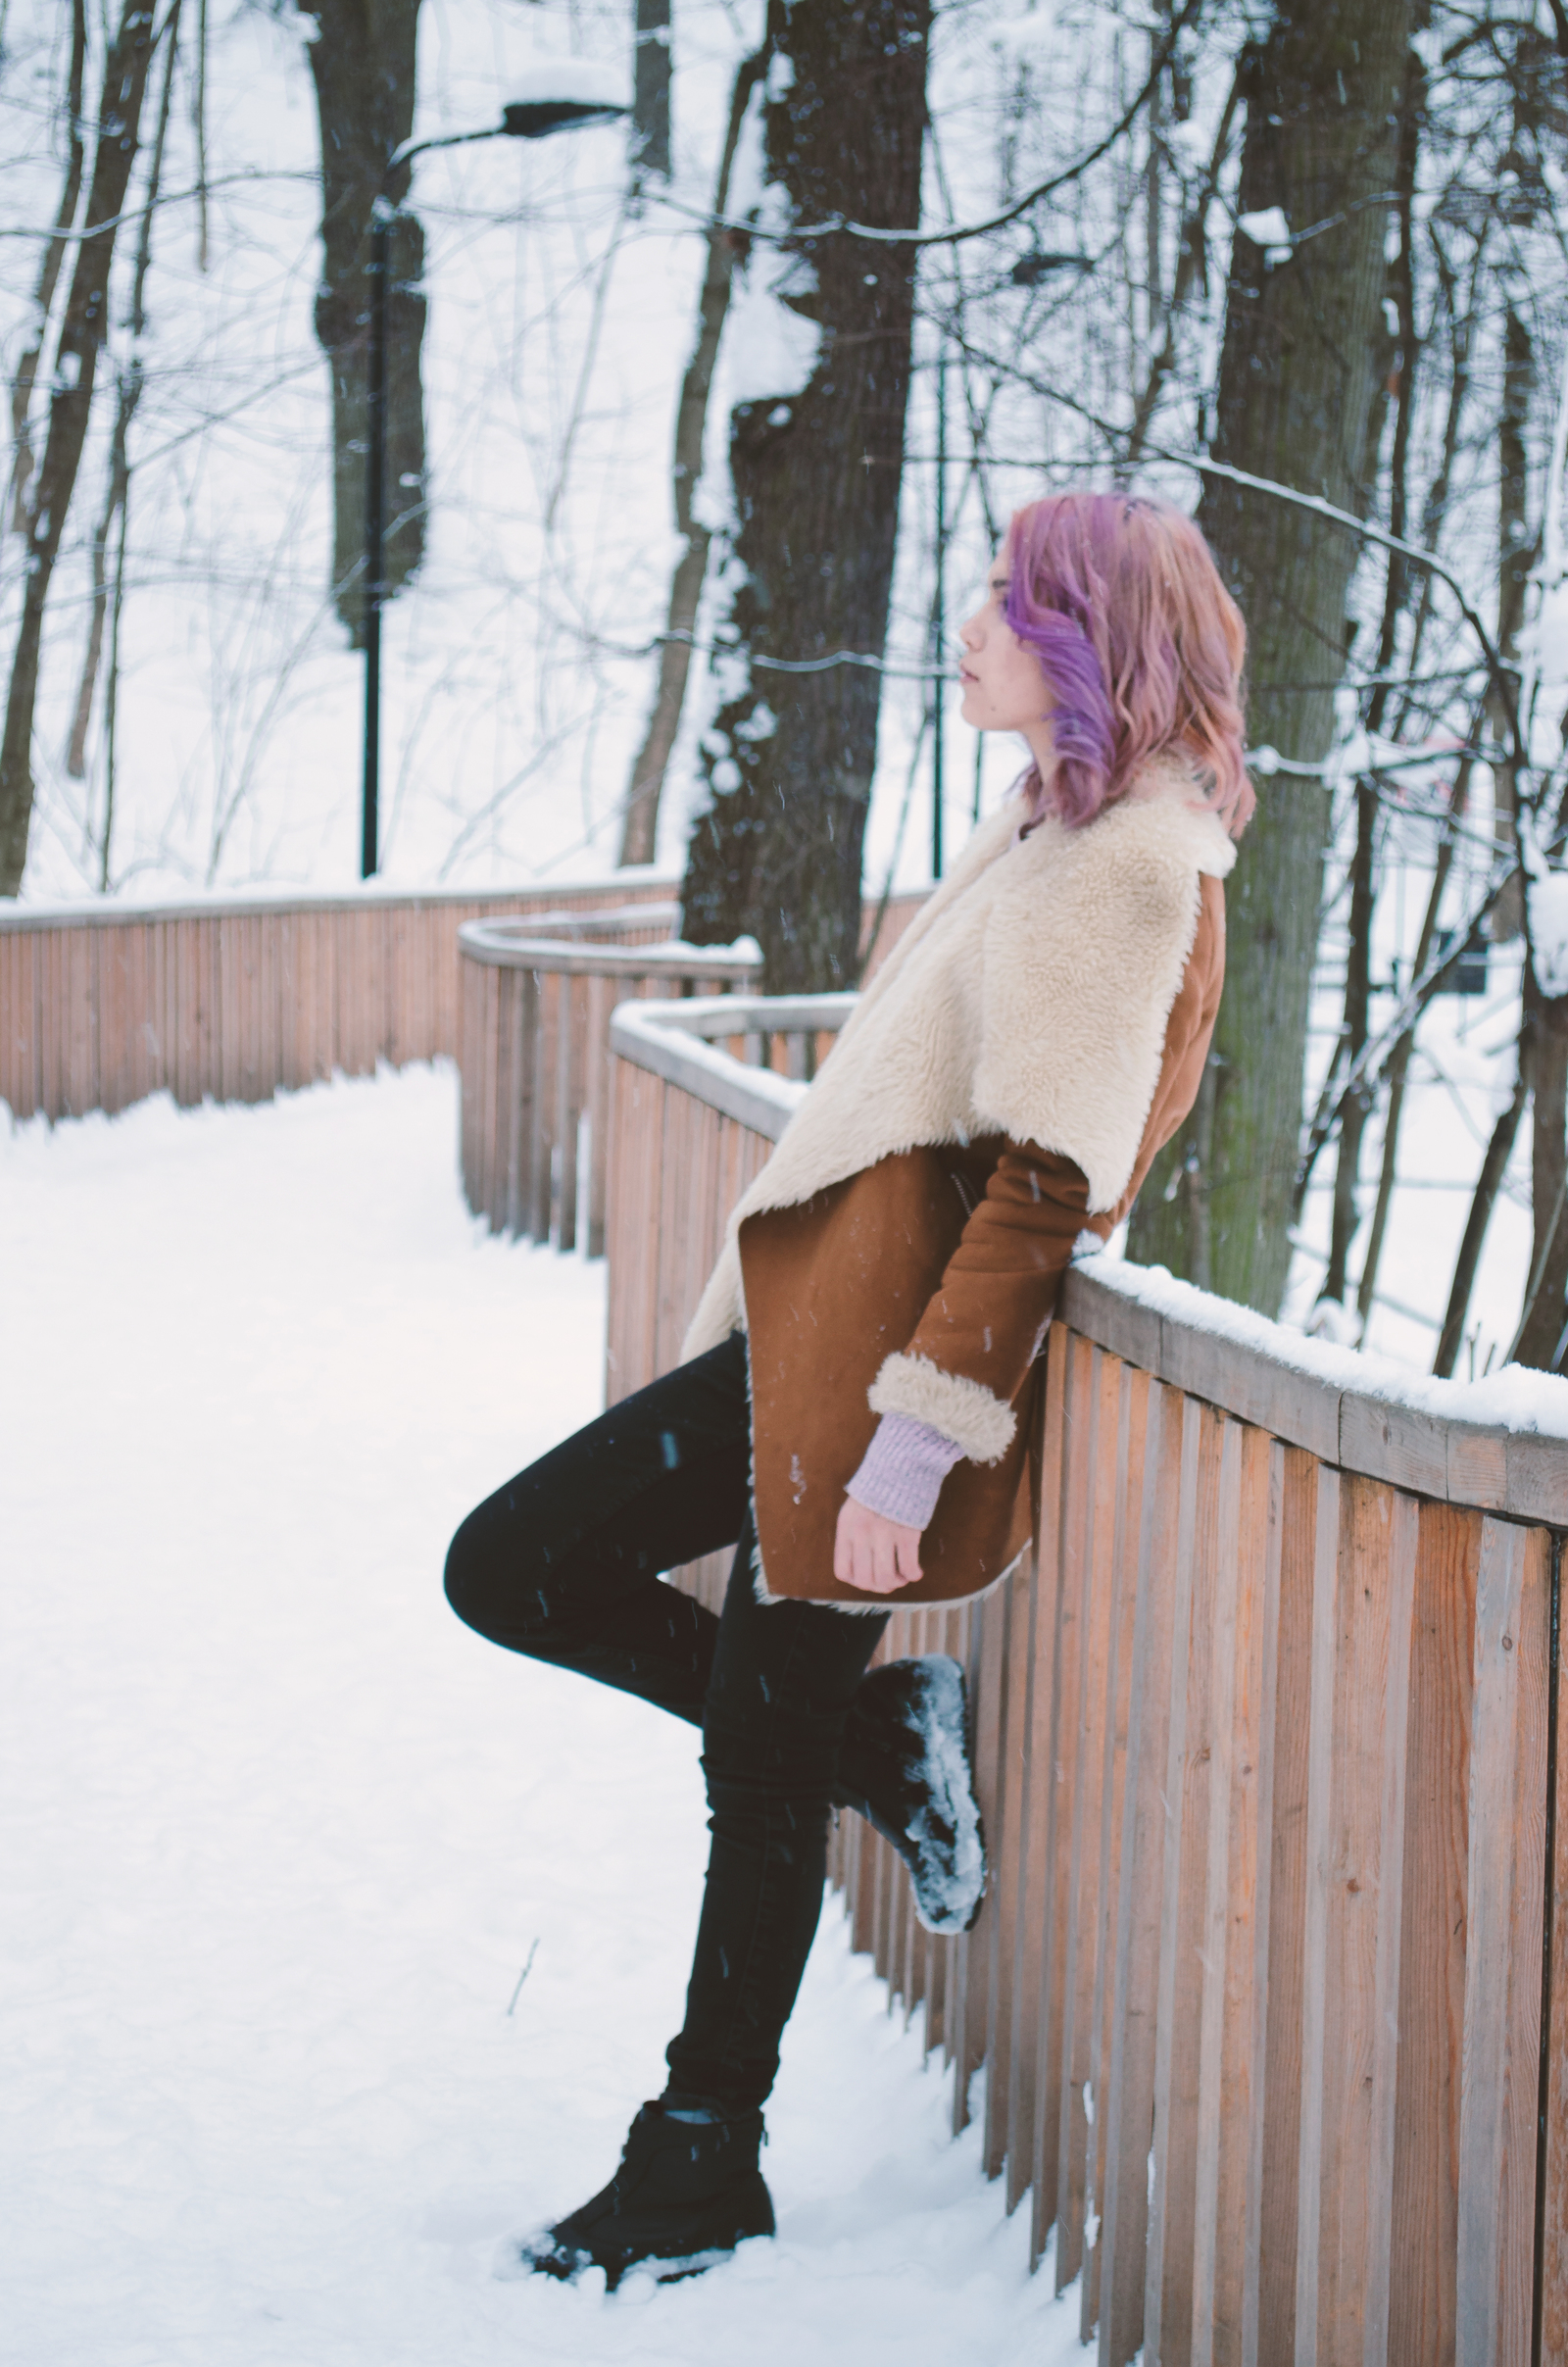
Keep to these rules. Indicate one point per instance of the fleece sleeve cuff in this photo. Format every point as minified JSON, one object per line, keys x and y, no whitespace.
{"x":980,"y":1425}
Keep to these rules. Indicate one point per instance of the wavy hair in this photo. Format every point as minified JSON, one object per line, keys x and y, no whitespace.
{"x":1141,"y":645}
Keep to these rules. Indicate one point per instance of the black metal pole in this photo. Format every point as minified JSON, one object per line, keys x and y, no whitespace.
{"x":940,"y":614}
{"x":375,"y":495}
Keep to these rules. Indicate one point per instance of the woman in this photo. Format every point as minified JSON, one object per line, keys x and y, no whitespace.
{"x":853,"y":1407}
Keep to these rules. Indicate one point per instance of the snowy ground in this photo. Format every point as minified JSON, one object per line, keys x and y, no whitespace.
{"x":280,"y":1835}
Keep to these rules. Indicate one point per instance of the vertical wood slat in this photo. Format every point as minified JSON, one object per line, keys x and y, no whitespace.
{"x":1554,"y":2199}
{"x":1086,"y":1738}
{"x":1424,"y":2235}
{"x":1132,"y":1416}
{"x":1135,"y":1979}
{"x":1502,"y":1998}
{"x":1034,"y":1861}
{"x":1061,"y":1766}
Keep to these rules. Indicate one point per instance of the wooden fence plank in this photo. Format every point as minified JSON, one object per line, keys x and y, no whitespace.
{"x":1034,"y":1875}
{"x":1229,"y":2035}
{"x":1554,"y":2199}
{"x":1121,"y":1582}
{"x":1263,"y":1523}
{"x":1135,"y":1973}
{"x":1163,"y":2328}
{"x":1493,"y":2181}
{"x":1185,"y":1907}
{"x":1061,"y":1766}
{"x":1012,"y":1795}
{"x":1424,"y":2230}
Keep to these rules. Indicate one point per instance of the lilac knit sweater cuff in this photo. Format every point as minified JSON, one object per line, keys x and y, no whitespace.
{"x":903,"y":1469}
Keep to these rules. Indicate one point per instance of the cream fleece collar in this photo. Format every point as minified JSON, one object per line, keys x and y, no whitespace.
{"x":1029,"y":998}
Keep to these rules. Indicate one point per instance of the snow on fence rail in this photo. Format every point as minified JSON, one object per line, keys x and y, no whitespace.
{"x":1267,"y":1745}
{"x":233,"y":997}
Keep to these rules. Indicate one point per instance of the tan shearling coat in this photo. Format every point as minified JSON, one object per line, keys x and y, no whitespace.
{"x":1007,"y":1079}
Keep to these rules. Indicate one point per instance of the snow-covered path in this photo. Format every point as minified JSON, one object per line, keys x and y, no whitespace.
{"x":278,"y":1835}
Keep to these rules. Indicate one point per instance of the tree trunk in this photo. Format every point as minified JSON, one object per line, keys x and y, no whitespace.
{"x":1516,"y":556}
{"x":128,"y":396}
{"x":1295,"y":387}
{"x":640,"y":830}
{"x":1489,"y":1184}
{"x":1542,"y":1317}
{"x":82,"y":338}
{"x":54,"y":256}
{"x":364,"y":68}
{"x":816,"y":477}
{"x":650,"y":112}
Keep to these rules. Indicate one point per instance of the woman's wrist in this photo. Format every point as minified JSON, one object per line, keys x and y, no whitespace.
{"x":905,"y":1467}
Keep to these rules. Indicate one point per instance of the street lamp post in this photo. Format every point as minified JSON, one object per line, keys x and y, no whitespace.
{"x":520,"y":119}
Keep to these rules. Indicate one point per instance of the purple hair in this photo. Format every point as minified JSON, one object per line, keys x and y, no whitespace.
{"x":1140,"y":643}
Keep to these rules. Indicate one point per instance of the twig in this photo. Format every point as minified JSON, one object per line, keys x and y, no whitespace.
{"x":521,"y":1977}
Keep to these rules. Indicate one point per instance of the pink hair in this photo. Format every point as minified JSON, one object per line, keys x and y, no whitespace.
{"x":1141,"y":645}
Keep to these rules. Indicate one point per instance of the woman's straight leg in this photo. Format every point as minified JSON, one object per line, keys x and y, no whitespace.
{"x":783,"y":1678}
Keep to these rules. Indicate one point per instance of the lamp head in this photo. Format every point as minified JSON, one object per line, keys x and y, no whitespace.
{"x":536,"y":119}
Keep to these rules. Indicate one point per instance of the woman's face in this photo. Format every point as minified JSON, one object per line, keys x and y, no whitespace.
{"x":1003,"y":683}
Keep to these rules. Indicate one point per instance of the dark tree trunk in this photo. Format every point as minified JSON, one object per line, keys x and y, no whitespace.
{"x":650,"y":112}
{"x":1296,"y":383}
{"x":1516,"y":556}
{"x":817,"y":480}
{"x":54,"y":256}
{"x":1546,"y":1037}
{"x":364,"y":68}
{"x":81,"y":339}
{"x":1489,"y":1184}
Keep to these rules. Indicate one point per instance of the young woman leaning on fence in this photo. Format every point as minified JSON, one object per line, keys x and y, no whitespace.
{"x":855,"y":1409}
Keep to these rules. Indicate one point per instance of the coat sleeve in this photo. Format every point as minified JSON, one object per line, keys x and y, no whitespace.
{"x":983,"y":1326}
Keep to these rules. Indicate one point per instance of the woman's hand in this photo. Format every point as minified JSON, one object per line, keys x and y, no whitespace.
{"x":872,"y":1553}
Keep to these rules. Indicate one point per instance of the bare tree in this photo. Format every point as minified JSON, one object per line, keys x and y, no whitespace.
{"x":640,"y":830}
{"x":81,"y":339}
{"x":54,"y":256}
{"x":362,"y":63}
{"x":817,"y":475}
{"x":118,"y":492}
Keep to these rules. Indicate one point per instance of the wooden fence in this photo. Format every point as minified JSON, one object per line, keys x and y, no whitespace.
{"x":1268,"y":1749}
{"x":102,"y":1003}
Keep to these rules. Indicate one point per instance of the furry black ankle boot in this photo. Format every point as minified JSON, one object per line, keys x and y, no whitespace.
{"x":687,"y":2192}
{"x":906,"y":1766}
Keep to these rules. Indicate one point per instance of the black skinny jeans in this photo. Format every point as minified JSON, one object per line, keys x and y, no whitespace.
{"x":563,"y":1565}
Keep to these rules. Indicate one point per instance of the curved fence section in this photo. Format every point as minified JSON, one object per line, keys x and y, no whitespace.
{"x":533,"y":1059}
{"x":1268,"y":1737}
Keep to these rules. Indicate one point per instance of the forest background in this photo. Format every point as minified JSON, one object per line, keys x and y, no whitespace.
{"x":702,"y":427}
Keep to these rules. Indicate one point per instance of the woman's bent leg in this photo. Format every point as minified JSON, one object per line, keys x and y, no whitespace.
{"x":784,"y":1675}
{"x":562,"y":1562}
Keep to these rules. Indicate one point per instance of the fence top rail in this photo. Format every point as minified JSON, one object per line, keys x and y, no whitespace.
{"x":103,"y":912}
{"x":503,"y":946}
{"x":1498,"y":1444}
{"x":503,"y":930}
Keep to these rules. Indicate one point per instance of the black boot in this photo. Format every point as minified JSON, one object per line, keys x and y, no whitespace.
{"x":906,"y":1766}
{"x":687,"y":2192}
